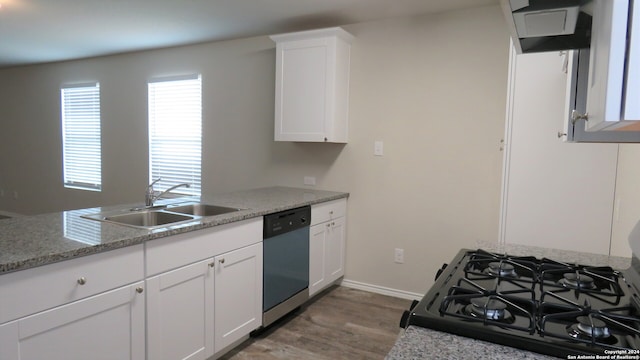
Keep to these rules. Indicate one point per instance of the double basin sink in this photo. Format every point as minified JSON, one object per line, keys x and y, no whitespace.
{"x":161,"y":216}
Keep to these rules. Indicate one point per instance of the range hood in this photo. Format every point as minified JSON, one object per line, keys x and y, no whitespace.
{"x":548,"y":25}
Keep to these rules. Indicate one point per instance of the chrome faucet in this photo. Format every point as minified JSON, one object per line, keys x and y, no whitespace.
{"x":150,"y":196}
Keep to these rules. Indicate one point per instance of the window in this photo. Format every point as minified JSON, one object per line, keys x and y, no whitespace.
{"x":175,"y":133}
{"x":81,"y":150}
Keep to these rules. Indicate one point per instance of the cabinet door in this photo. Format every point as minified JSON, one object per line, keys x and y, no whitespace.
{"x":103,"y":327}
{"x":238,"y":294}
{"x":632,"y":91}
{"x":304,"y":86}
{"x":335,"y":249}
{"x":607,"y":63}
{"x":317,"y":262}
{"x":577,"y":71}
{"x":180,"y":313}
{"x":326,"y":254}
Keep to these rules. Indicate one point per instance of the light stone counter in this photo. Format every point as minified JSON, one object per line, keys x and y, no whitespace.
{"x":566,"y":256}
{"x":31,"y":241}
{"x":420,"y":343}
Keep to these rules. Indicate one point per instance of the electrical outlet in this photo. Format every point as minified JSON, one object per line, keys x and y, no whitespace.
{"x":398,"y":256}
{"x":310,"y":180}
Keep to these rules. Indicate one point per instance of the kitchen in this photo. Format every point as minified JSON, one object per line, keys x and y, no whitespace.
{"x":413,"y":85}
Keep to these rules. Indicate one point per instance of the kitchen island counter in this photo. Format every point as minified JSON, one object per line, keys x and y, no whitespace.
{"x":31,"y":241}
{"x":420,"y":343}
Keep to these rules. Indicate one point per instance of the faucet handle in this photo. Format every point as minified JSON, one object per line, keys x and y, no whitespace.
{"x":149,"y":195}
{"x":150,"y":186}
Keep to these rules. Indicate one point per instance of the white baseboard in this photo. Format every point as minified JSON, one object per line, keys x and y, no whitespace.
{"x":381,"y":290}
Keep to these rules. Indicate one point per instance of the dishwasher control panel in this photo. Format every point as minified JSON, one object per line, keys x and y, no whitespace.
{"x":285,"y":221}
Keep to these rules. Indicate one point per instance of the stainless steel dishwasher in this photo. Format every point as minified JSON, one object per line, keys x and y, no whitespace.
{"x":286,"y":262}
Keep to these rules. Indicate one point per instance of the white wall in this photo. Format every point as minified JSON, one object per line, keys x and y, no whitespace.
{"x":433,"y":88}
{"x":237,"y":107}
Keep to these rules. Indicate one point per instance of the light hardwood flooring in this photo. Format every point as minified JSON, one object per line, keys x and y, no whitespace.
{"x":341,"y":323}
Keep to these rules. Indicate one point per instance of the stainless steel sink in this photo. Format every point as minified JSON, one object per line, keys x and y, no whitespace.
{"x":161,"y":216}
{"x":148,"y":219}
{"x":202,"y":209}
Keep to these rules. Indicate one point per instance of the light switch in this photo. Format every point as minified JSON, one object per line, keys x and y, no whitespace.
{"x":378,"y":148}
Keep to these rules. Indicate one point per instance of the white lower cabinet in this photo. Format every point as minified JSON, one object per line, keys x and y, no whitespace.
{"x":238,"y":294}
{"x":102,"y":327}
{"x":335,"y":249}
{"x":326,"y":245}
{"x":180,"y":313}
{"x":317,"y":263}
{"x":197,"y":310}
{"x":200,"y":309}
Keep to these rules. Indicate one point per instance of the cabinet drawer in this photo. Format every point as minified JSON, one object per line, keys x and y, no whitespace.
{"x":30,"y":291}
{"x":172,"y":252}
{"x":327,"y":211}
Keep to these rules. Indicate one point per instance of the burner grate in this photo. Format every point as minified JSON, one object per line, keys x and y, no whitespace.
{"x":482,"y":263}
{"x":611,"y":328}
{"x":512,"y":309}
{"x":540,"y":305}
{"x":583,"y":283}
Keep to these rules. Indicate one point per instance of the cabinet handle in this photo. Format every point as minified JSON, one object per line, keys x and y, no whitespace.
{"x":333,"y":223}
{"x":212,"y":264}
{"x":328,"y":225}
{"x":82,"y":281}
{"x":139,"y":289}
{"x":222,"y":261}
{"x":561,"y":134}
{"x":575,"y":116}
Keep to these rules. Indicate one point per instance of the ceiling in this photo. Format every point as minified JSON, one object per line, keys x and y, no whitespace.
{"x":38,"y":31}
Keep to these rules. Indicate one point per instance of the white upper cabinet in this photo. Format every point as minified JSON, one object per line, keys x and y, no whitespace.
{"x":576,"y":129}
{"x":606,"y":74}
{"x":312,"y":86}
{"x":632,"y":89}
{"x":614,"y":71}
{"x":603,"y":84}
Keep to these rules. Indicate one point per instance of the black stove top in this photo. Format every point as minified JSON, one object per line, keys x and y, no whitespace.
{"x":539,"y":305}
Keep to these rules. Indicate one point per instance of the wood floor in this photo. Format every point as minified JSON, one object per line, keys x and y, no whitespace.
{"x":342,"y":323}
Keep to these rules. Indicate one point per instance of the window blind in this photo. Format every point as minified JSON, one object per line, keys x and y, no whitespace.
{"x":175,"y":133}
{"x":78,"y":229}
{"x":81,"y":136}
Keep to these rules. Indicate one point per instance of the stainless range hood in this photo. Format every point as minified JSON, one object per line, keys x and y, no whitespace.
{"x":548,"y":25}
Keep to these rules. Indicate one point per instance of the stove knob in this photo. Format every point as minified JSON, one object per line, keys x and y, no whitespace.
{"x":404,"y":320}
{"x":444,"y":266}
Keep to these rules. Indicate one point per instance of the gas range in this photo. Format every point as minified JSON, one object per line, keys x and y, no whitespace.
{"x":536,"y":304}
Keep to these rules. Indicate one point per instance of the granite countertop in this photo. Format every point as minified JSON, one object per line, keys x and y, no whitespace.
{"x":420,"y":343}
{"x":31,"y":241}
